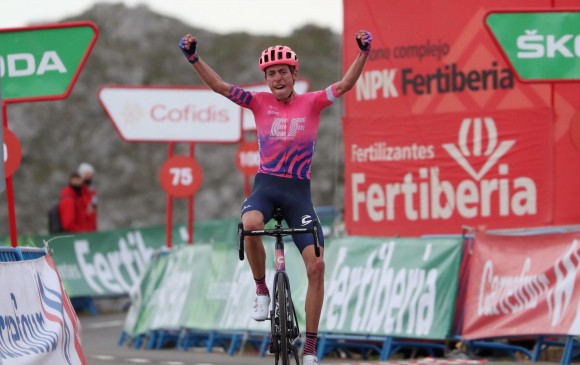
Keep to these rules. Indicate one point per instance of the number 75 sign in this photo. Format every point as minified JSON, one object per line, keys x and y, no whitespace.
{"x":180,"y":176}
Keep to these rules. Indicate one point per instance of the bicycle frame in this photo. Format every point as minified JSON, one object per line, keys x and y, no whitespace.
{"x":279,"y":320}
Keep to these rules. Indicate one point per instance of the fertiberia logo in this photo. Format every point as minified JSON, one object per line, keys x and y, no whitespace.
{"x":513,"y":196}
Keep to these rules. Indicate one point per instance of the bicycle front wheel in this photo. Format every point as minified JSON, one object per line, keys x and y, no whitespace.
{"x":282,"y":298}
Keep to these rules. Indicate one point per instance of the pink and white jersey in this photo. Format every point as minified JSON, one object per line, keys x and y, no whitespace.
{"x":286,"y":132}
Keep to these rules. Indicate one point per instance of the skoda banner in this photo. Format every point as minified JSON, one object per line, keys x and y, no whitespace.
{"x":541,"y":46}
{"x":43,"y":62}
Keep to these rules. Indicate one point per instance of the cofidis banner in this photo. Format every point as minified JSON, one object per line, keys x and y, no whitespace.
{"x":522,"y":285}
{"x":37,"y":322}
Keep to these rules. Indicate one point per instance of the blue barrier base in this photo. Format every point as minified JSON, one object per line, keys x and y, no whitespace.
{"x":9,"y":254}
{"x":570,"y":350}
{"x":162,"y":338}
{"x":569,"y":343}
{"x":85,"y":303}
{"x":122,"y":338}
{"x":500,"y":346}
{"x":208,"y":339}
{"x":260,"y":341}
{"x":383,"y":346}
{"x":230,"y":342}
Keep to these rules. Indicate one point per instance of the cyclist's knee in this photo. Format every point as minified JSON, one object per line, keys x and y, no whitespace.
{"x":253,"y":220}
{"x":315,"y":270}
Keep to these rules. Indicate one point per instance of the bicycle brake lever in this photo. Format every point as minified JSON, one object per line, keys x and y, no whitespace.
{"x":315,"y":234}
{"x":241,"y":241}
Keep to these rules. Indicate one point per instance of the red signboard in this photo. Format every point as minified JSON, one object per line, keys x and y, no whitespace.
{"x":418,"y":87}
{"x":12,"y":153}
{"x":248,"y":158}
{"x":522,"y":285}
{"x":181,"y":176}
{"x":437,"y":173}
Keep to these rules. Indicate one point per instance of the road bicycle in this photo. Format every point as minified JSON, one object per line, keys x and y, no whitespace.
{"x":284,"y":324}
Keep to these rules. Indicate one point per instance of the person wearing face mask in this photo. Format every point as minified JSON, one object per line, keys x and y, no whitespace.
{"x":87,"y":172}
{"x":72,"y":205}
{"x":287,"y":126}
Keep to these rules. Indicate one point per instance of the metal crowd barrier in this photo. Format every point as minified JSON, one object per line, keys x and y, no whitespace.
{"x":10,"y":254}
{"x":383,"y":346}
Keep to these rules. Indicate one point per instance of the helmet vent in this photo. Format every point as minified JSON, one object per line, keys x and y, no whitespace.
{"x":278,"y":55}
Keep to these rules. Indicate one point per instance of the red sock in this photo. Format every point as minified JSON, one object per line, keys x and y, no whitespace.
{"x":261,"y":287}
{"x":310,"y":345}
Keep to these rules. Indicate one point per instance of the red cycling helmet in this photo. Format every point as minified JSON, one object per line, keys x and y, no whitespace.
{"x":278,"y":55}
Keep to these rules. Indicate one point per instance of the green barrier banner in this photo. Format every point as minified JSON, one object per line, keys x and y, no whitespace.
{"x":137,"y":317}
{"x":206,"y":287}
{"x":112,"y":262}
{"x":400,"y":287}
{"x":232,"y":293}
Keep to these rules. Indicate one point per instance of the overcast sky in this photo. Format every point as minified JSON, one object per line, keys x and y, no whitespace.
{"x":278,"y":17}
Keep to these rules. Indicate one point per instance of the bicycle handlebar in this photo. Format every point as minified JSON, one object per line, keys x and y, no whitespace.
{"x":277,"y":232}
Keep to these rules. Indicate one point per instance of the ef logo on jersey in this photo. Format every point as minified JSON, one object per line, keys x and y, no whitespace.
{"x":280,"y":127}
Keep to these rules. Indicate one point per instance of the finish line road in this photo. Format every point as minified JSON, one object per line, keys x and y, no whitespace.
{"x":101,"y":333}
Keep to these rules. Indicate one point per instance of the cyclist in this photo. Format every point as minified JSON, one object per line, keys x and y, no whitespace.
{"x":287,"y":124}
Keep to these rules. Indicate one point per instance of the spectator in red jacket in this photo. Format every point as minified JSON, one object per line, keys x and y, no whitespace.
{"x":87,"y":172}
{"x":72,"y":206}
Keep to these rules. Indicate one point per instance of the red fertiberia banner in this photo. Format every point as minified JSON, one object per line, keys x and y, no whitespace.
{"x":523,"y":285}
{"x":434,"y":57}
{"x":434,"y":174}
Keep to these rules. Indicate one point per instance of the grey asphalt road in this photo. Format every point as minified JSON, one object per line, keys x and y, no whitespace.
{"x":100,"y":343}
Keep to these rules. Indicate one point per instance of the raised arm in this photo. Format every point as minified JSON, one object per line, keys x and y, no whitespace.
{"x":364,"y":40}
{"x":188,"y":45}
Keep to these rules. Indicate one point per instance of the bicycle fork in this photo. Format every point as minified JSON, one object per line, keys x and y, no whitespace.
{"x":292,"y":319}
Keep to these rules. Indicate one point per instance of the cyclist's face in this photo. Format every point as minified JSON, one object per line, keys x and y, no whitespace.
{"x":280,"y":79}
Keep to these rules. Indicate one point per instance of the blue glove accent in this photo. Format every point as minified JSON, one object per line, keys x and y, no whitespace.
{"x":190,"y":54}
{"x":368,"y":39}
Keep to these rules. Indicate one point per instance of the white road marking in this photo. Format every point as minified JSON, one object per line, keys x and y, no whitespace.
{"x":103,"y":357}
{"x":115,"y":323}
{"x":139,"y":361}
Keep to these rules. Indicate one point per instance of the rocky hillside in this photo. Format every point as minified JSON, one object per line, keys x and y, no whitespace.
{"x":139,"y":47}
